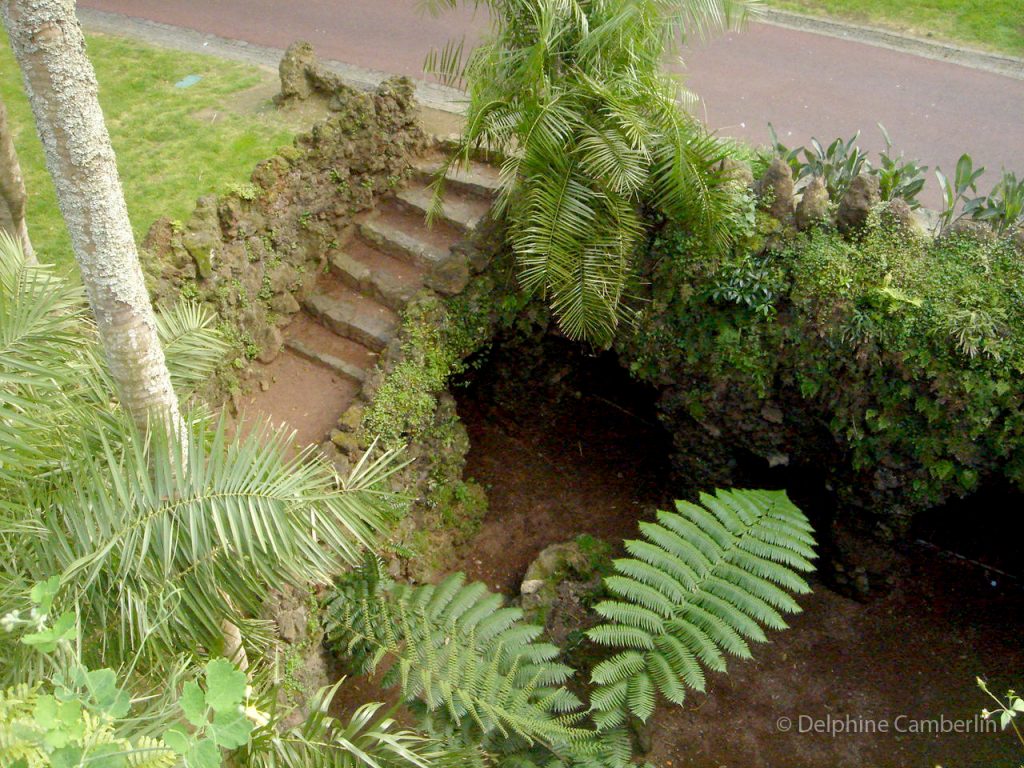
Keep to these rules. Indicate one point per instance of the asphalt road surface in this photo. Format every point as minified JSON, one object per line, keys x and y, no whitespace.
{"x":805,"y":84}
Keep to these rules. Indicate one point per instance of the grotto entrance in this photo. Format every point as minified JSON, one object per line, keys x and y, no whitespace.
{"x":566,"y":443}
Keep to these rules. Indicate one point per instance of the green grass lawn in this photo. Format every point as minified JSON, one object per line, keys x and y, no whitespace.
{"x":996,"y":25}
{"x":172,"y":144}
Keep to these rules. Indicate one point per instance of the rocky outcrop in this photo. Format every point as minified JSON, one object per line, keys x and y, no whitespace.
{"x":775,"y":190}
{"x":304,"y":75}
{"x":855,"y":206}
{"x":254,"y":253}
{"x":813,"y":207}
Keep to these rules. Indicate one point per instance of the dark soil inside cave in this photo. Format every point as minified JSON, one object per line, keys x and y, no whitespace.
{"x":574,"y":446}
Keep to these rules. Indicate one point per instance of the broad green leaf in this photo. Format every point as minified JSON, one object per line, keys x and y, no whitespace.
{"x":45,"y":712}
{"x":48,"y":640}
{"x":225,"y":685}
{"x":231,"y":729}
{"x":176,"y":739}
{"x":44,"y":592}
{"x":193,"y":704}
{"x":204,"y":754}
{"x":106,"y":694}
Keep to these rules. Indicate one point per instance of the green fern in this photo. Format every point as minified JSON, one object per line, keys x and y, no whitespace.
{"x":701,"y":584}
{"x":467,"y":664}
{"x":38,"y":732}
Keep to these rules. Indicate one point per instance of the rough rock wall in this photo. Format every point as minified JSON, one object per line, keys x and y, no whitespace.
{"x":252,"y":252}
{"x":827,"y":344}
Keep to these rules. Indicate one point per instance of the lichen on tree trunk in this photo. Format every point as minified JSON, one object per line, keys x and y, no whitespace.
{"x":50,"y":49}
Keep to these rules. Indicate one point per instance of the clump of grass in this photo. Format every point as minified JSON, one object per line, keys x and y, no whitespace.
{"x":995,"y":25}
{"x":172,"y":144}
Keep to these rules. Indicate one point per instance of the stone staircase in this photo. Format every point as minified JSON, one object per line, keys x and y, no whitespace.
{"x":354,"y":310}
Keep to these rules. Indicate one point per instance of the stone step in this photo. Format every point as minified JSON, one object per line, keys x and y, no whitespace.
{"x":373,"y":273}
{"x":339,"y":365}
{"x":312,"y":341}
{"x":385,"y":235}
{"x":462,"y":213}
{"x":352,"y":315}
{"x":477,"y":179}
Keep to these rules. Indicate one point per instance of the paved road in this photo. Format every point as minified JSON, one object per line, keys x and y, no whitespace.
{"x":805,"y":84}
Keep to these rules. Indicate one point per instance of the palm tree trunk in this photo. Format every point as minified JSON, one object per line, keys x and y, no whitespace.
{"x":50,"y":49}
{"x":12,"y":190}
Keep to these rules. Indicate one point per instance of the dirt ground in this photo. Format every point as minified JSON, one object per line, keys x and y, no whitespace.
{"x":592,"y":462}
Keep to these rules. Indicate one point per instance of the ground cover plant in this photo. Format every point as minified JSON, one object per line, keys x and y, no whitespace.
{"x":173,"y":144}
{"x":907,"y":347}
{"x":992,"y":24}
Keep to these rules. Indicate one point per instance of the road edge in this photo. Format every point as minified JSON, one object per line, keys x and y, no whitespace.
{"x":1000,"y":64}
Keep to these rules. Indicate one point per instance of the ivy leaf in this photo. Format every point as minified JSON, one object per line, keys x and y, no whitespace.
{"x":193,"y":704}
{"x":102,"y":684}
{"x":231,"y":729}
{"x":225,"y":685}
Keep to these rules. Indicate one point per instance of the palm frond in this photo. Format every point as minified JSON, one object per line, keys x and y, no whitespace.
{"x":370,"y":739}
{"x":574,"y":95}
{"x":192,"y":345}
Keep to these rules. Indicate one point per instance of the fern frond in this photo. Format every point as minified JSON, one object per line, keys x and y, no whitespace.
{"x":705,"y":581}
{"x":471,"y":664}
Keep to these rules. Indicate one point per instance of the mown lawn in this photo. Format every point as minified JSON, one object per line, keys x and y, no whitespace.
{"x":996,"y":25}
{"x":172,"y":144}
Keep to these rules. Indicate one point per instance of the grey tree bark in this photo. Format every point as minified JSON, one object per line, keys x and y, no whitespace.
{"x":50,"y":49}
{"x":12,"y":190}
{"x":61,"y":84}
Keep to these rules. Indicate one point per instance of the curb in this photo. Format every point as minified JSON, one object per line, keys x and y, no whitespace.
{"x":1008,"y":66}
{"x":430,"y":95}
{"x":445,"y":99}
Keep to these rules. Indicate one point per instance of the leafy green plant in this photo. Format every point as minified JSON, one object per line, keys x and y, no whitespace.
{"x":154,"y":536}
{"x":842,"y":161}
{"x":838,"y":164}
{"x":898,"y":178}
{"x":467,"y":664}
{"x":1003,"y":207}
{"x":368,"y":740}
{"x":1006,"y":710}
{"x":701,"y":583}
{"x":750,"y":281}
{"x":576,"y":99}
{"x":956,"y":193}
{"x":134,"y":552}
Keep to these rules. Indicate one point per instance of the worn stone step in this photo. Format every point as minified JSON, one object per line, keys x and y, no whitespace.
{"x":352,"y":315}
{"x":312,"y":341}
{"x":373,"y":273}
{"x":336,"y":364}
{"x":462,"y":213}
{"x":477,"y":179}
{"x":418,"y":249}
